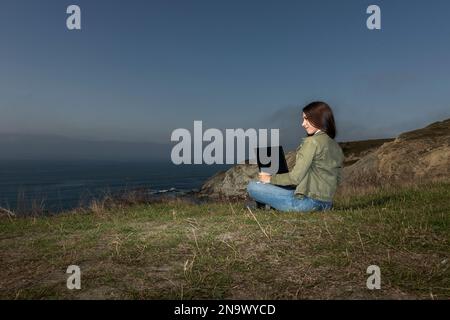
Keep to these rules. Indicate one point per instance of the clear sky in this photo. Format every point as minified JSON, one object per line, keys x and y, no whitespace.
{"x":139,"y":69}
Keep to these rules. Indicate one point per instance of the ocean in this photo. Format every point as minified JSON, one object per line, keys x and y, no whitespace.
{"x":57,"y":186}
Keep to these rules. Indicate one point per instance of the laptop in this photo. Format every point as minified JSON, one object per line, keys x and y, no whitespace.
{"x":264,"y":159}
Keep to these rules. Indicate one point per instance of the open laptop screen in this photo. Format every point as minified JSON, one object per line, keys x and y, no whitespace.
{"x":271,"y":160}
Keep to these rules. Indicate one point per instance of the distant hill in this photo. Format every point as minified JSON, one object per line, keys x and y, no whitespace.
{"x":355,"y":150}
{"x":417,"y":156}
{"x":52,"y":147}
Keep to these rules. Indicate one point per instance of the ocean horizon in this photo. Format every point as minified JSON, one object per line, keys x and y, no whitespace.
{"x":57,"y":186}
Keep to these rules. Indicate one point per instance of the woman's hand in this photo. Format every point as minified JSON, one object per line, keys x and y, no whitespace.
{"x":264,"y":177}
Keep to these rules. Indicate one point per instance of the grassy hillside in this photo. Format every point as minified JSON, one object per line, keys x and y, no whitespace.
{"x":355,"y":150}
{"x":182,"y":251}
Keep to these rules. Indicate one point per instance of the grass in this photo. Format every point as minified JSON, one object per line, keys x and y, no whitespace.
{"x":178,"y":250}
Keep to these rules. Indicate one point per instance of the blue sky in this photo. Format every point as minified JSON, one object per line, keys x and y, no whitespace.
{"x":140,"y":69}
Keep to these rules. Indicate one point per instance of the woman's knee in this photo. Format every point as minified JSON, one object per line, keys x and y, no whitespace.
{"x":256,"y":189}
{"x":252,"y":187}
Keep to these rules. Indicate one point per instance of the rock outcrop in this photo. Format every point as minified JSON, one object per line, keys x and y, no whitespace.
{"x":414,"y":157}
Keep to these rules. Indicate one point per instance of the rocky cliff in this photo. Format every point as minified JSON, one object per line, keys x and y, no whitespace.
{"x":413,"y":157}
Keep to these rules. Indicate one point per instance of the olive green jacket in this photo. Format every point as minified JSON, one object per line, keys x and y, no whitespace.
{"x":317,"y":170}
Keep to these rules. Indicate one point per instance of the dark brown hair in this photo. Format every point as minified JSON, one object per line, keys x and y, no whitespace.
{"x":320,"y":115}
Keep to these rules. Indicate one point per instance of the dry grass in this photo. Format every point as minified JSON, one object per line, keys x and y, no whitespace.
{"x":180,"y":250}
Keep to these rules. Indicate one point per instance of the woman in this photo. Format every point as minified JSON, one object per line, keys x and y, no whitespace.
{"x":312,"y":182}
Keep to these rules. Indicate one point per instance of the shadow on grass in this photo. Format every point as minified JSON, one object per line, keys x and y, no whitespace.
{"x":361,"y":203}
